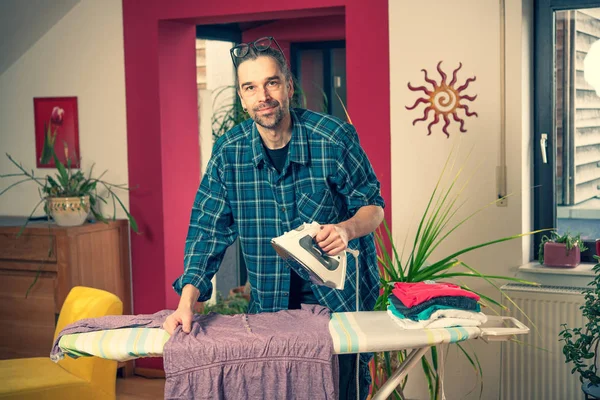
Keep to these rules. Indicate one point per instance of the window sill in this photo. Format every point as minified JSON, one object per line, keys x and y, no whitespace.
{"x":579,"y":276}
{"x":589,"y":209}
{"x":536,"y":268}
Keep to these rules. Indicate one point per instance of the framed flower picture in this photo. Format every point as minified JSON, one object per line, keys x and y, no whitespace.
{"x":56,"y":128}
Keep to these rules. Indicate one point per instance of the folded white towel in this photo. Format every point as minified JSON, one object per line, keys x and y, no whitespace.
{"x":440,"y":322}
{"x":458,"y":313}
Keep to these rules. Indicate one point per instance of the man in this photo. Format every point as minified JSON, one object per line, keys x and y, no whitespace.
{"x":267,"y":176}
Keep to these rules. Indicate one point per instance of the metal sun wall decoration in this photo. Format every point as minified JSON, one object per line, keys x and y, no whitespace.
{"x":444,"y":100}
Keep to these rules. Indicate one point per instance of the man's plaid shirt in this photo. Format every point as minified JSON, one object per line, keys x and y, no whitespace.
{"x":326,"y":178}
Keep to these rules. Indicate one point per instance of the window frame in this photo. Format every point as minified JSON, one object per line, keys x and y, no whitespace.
{"x":326,"y":47}
{"x":544,"y":206}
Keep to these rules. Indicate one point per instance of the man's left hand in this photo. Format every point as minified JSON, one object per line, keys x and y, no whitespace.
{"x":332,"y":239}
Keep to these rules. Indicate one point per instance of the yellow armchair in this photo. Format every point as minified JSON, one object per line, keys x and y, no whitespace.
{"x":82,"y":378}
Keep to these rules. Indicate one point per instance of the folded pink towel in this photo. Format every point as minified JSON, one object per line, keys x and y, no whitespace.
{"x":412,"y":294}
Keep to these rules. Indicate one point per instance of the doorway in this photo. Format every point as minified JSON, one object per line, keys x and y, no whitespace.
{"x":162,"y":113}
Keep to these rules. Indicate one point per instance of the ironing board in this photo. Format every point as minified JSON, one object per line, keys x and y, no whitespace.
{"x":351,"y":332}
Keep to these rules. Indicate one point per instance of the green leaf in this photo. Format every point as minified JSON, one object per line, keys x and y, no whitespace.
{"x":430,"y":376}
{"x":474,"y":361}
{"x":63,"y":176}
{"x":97,"y":215}
{"x":28,"y":218}
{"x":132,"y":220}
{"x":14,"y":184}
{"x":31,"y":174}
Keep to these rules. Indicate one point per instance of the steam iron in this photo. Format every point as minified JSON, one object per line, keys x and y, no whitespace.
{"x":298,"y":248}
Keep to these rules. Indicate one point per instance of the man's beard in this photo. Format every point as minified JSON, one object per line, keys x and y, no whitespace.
{"x":271,"y":121}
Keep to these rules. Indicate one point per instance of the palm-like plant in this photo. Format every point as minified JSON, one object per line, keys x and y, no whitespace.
{"x":227,"y":111}
{"x":435,"y":226}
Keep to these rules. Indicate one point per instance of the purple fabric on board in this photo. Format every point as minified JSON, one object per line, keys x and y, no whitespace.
{"x":283,"y":355}
{"x":108,"y":322}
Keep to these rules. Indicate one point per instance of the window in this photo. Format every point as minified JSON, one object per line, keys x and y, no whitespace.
{"x":567,"y":122}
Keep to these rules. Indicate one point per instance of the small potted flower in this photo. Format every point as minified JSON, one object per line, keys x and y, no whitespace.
{"x":563,"y":251}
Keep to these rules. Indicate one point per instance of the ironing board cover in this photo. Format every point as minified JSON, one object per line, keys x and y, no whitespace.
{"x":365,"y":331}
{"x":373,"y":331}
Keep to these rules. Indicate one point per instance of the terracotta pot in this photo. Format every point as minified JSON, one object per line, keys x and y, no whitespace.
{"x":556,"y":255}
{"x":69,"y":211}
{"x":240,"y":290}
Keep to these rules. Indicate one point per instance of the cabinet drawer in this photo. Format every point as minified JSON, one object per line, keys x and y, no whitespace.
{"x":27,"y":247}
{"x":27,"y":323}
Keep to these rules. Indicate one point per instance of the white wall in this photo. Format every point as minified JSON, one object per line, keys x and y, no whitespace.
{"x":82,"y":55}
{"x":22,"y":23}
{"x":467,"y":31}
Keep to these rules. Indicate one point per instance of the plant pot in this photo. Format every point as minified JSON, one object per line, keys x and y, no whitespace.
{"x":556,"y":255}
{"x":240,"y":290}
{"x":69,"y":211}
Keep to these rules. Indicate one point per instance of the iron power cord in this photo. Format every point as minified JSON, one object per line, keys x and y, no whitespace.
{"x":355,"y":254}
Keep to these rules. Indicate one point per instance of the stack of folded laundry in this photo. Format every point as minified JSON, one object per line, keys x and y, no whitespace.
{"x":433,"y":305}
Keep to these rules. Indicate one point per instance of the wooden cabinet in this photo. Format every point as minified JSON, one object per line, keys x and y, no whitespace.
{"x":94,"y":255}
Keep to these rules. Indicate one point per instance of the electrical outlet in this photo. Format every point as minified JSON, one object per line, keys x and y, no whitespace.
{"x":502,"y":202}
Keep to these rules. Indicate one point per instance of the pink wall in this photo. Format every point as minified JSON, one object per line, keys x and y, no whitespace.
{"x":162,"y":121}
{"x":331,"y":27}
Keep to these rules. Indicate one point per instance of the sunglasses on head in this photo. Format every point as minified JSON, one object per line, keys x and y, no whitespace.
{"x":260,"y":45}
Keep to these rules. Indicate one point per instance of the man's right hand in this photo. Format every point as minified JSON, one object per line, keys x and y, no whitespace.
{"x":184,"y":313}
{"x":182,"y":316}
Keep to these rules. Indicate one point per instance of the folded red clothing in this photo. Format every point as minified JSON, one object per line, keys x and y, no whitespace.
{"x":412,"y":294}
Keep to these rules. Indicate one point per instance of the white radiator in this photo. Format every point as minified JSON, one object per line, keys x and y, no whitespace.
{"x":536,"y":369}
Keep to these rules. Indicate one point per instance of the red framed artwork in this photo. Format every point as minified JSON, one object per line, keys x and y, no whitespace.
{"x":56,"y":128}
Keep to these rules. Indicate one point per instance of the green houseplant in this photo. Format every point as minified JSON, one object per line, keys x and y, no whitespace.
{"x":581,"y":343}
{"x":227,"y":111}
{"x":561,"y":250}
{"x":84,"y":193}
{"x":233,"y":304}
{"x":435,"y":225}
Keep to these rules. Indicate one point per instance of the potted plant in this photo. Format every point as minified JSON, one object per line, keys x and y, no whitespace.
{"x":561,"y":250}
{"x":234,"y":304}
{"x":69,"y":196}
{"x":581,"y":343}
{"x":436,"y":225}
{"x":243,"y":291}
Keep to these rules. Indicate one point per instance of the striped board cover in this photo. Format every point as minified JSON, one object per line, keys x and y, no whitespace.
{"x":352,"y":332}
{"x":116,"y":344}
{"x":373,"y":331}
